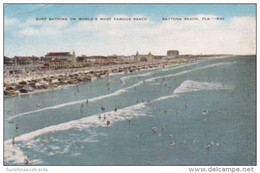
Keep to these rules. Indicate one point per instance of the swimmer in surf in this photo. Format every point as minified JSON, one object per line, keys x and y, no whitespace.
{"x":13,"y":141}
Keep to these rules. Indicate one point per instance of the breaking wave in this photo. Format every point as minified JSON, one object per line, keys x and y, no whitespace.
{"x":123,"y":79}
{"x":190,"y":86}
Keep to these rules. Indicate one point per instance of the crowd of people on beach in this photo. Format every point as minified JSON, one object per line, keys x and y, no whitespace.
{"x":39,"y":81}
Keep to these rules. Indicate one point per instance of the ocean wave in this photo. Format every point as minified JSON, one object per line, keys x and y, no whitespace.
{"x":123,"y":79}
{"x":165,"y":97}
{"x":215,"y":65}
{"x":116,"y":93}
{"x":179,"y":66}
{"x":13,"y":152}
{"x":188,"y":71}
{"x":190,"y":86}
{"x":166,"y":76}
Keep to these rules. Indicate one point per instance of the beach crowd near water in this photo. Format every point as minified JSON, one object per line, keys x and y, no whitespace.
{"x":42,"y":81}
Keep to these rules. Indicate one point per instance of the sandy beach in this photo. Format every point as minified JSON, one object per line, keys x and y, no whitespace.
{"x":51,"y":79}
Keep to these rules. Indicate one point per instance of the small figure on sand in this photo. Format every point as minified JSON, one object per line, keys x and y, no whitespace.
{"x":105,"y":117}
{"x":87,"y":101}
{"x":99,"y":116}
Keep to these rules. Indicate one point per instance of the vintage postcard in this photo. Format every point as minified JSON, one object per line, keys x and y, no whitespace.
{"x":129,"y":84}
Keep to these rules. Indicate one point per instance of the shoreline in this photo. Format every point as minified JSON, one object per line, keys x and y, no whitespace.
{"x":138,"y":67}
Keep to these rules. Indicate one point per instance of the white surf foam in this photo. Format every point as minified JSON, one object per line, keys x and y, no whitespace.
{"x":13,"y":153}
{"x":215,"y":65}
{"x":166,"y":76}
{"x":179,"y":66}
{"x":123,"y":79}
{"x":190,"y":86}
{"x":188,"y":71}
{"x":157,"y":83}
{"x":35,"y":162}
{"x":83,"y":123}
{"x":165,"y":98}
{"x":116,"y":93}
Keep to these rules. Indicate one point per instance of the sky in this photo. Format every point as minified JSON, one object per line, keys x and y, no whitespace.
{"x":26,"y":36}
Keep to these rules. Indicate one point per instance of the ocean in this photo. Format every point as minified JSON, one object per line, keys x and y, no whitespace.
{"x":204,"y":113}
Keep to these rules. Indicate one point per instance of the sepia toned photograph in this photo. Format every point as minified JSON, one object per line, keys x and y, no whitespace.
{"x":129,"y":84}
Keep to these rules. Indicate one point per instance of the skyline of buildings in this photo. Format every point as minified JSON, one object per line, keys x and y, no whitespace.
{"x":67,"y":56}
